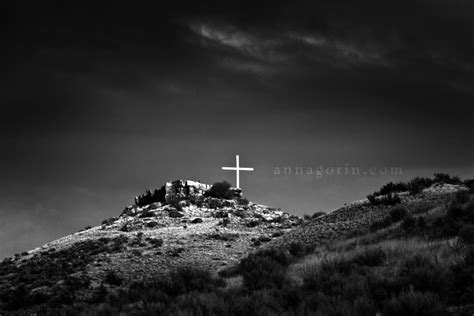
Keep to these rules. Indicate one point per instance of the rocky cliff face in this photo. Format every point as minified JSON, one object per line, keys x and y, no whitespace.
{"x":178,"y":190}
{"x":184,"y":189}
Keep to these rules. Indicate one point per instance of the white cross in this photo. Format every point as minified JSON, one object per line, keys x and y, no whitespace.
{"x":237,"y":168}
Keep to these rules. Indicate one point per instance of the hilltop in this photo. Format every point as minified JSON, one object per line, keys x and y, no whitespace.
{"x":176,"y":225}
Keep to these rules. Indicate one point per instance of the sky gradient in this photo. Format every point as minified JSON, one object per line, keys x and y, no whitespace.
{"x":101,"y":102}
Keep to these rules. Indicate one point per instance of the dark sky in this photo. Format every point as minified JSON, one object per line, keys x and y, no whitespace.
{"x":102,"y":101}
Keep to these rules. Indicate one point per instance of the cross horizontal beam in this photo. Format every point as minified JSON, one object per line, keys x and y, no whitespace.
{"x":237,"y":168}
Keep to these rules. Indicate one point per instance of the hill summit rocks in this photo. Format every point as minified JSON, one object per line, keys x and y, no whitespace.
{"x":178,"y":190}
{"x":187,"y":200}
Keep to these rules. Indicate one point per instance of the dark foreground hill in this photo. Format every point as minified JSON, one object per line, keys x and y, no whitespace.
{"x":186,"y":252}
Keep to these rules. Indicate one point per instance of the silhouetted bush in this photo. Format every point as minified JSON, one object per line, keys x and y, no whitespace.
{"x":423,"y":274}
{"x":398,"y":213}
{"x":149,"y":197}
{"x":408,"y":223}
{"x":220,"y":190}
{"x":260,"y":271}
{"x":462,"y":291}
{"x":390,"y":199}
{"x":318,"y":214}
{"x":186,"y":279}
{"x":383,"y":223}
{"x":466,"y":233}
{"x":469,"y":183}
{"x":370,"y":257}
{"x":156,"y":242}
{"x":109,"y":221}
{"x":414,"y":304}
{"x":242,"y":201}
{"x":216,"y":203}
{"x":461,"y":197}
{"x":415,"y":185}
{"x":446,"y":178}
{"x":196,"y":220}
{"x":113,"y":278}
{"x":421,"y":222}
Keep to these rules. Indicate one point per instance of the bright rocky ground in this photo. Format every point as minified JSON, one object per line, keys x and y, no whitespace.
{"x":188,"y":248}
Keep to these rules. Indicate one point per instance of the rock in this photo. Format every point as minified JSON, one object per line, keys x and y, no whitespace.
{"x":152,"y":224}
{"x":264,"y":239}
{"x":184,"y":189}
{"x":175,"y":214}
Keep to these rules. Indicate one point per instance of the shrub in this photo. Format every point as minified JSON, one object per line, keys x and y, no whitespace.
{"x":175,"y":214}
{"x":446,"y":178}
{"x":409,"y":223}
{"x":242,"y":201}
{"x":264,"y":270}
{"x":461,"y":197}
{"x":225,"y":222}
{"x":225,"y":236}
{"x":389,"y":199}
{"x":423,"y":274}
{"x":109,"y":221}
{"x":152,"y":224}
{"x":398,"y":213}
{"x":421,"y":222}
{"x":196,"y":220}
{"x":113,"y":278}
{"x":252,"y":223}
{"x":146,"y":214}
{"x":298,"y":249}
{"x":469,"y":183}
{"x":215,"y":203}
{"x":186,"y":279}
{"x":463,"y":279}
{"x":277,"y":234}
{"x":318,"y":214}
{"x":365,"y":306}
{"x":149,"y":197}
{"x":370,"y":257}
{"x":156,"y":242}
{"x":176,"y":203}
{"x":220,"y":190}
{"x":384,"y":223}
{"x":264,"y":239}
{"x":455,"y":211}
{"x":417,"y":184}
{"x":466,"y":233}
{"x":414,"y":304}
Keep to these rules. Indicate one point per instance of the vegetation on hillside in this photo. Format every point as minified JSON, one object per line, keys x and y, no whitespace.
{"x":220,"y":190}
{"x":417,"y":263}
{"x":416,"y":260}
{"x":387,"y":195}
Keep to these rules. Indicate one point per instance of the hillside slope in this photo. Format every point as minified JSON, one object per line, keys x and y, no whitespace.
{"x":401,"y":253}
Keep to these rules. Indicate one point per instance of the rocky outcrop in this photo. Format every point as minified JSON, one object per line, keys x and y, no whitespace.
{"x":184,"y":190}
{"x":178,"y":190}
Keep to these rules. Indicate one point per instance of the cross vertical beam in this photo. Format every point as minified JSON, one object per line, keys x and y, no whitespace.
{"x":237,"y":170}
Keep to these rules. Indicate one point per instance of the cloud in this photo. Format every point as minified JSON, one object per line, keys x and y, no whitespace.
{"x":263,"y":51}
{"x":269,"y":52}
{"x":341,"y":52}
